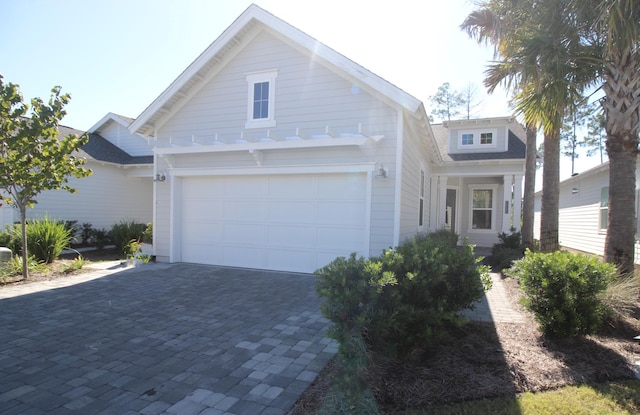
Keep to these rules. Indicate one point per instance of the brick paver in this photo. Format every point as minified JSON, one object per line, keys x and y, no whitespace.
{"x":495,"y":306}
{"x":161,"y":339}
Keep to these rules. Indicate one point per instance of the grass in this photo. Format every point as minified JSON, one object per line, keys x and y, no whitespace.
{"x":615,"y":398}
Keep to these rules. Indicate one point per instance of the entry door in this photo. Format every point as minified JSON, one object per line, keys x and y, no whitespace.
{"x":450,"y":220}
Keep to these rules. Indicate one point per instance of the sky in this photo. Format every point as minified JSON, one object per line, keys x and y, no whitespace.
{"x":119,"y":55}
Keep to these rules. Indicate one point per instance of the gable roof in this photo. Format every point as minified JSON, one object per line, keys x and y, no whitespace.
{"x":100,"y":149}
{"x":516,"y":145}
{"x":120,"y":119}
{"x":213,"y":58}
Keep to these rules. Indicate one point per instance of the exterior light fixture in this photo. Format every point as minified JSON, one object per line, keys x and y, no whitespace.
{"x":160,"y":177}
{"x":381,"y":173}
{"x":575,"y":190}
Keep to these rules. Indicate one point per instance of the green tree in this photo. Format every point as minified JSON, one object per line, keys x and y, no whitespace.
{"x":577,"y":116}
{"x":535,"y":44}
{"x":617,"y":26}
{"x":32,"y":157}
{"x":596,"y":136}
{"x":447,"y":103}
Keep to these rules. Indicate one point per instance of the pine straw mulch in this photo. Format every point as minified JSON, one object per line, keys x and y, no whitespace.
{"x":491,"y":360}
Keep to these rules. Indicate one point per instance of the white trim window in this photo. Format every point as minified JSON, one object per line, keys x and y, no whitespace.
{"x":482,"y":208}
{"x":477,"y":139}
{"x":261,"y":99}
{"x":603,"y":215}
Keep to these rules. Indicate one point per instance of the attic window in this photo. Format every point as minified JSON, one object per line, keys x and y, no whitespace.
{"x":477,"y":139}
{"x":261,"y":99}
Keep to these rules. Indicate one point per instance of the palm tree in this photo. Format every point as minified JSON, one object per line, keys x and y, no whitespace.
{"x":536,"y":42}
{"x":617,"y":25}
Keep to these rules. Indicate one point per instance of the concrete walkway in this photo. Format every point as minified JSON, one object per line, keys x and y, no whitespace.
{"x":495,"y":306}
{"x":161,"y":339}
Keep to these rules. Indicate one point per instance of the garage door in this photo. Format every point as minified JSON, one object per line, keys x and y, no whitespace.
{"x":279,"y":222}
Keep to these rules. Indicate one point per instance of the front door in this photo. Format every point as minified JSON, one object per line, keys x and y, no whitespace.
{"x":451,"y":214}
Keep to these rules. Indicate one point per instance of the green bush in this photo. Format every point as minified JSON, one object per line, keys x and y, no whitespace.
{"x":509,"y":249}
{"x":421,"y":287}
{"x":563,"y":291}
{"x":13,"y":267}
{"x":147,"y":235}
{"x":100,"y":237}
{"x":12,"y":238}
{"x":406,"y":300}
{"x":46,"y":238}
{"x":124,"y":232}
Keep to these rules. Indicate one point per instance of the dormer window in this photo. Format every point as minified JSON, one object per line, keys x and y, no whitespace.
{"x":476,"y":139}
{"x":261,"y":99}
{"x":486,"y":138}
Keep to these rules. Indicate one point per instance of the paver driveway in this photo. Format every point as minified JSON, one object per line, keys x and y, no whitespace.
{"x":178,"y":339}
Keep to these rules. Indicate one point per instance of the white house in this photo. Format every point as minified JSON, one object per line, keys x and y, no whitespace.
{"x":120,"y":188}
{"x":273,"y":151}
{"x":582,"y":219}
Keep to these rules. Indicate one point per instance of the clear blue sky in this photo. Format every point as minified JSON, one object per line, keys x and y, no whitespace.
{"x":119,"y":55}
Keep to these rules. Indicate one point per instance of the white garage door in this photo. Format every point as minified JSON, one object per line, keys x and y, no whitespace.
{"x":280,"y":222}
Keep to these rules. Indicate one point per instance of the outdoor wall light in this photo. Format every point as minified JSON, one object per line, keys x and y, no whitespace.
{"x":160,"y":177}
{"x":381,"y":173}
{"x":575,"y":190}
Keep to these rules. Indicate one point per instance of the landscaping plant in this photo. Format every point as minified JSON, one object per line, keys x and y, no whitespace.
{"x":124,"y":232}
{"x":563,"y":291}
{"x":404,"y":301}
{"x":46,"y":238}
{"x":509,"y":249}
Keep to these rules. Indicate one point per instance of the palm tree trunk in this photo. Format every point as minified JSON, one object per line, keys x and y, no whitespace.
{"x":550,"y":193}
{"x":528,"y":211}
{"x":621,"y":228}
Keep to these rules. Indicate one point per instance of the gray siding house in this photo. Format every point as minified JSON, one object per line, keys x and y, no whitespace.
{"x":273,"y":151}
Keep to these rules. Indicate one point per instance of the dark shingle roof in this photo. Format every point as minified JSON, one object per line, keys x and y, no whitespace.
{"x":100,"y":149}
{"x":517,"y":147}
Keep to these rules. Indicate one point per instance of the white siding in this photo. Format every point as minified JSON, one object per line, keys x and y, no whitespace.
{"x":579,"y":213}
{"x":134,"y":145}
{"x":8,"y":215}
{"x":102,"y":199}
{"x":414,"y":160}
{"x":308,"y":96}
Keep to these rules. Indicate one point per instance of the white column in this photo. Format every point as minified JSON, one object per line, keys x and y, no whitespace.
{"x":442,"y":200}
{"x":433,"y":204}
{"x":506,"y":204}
{"x":517,"y":200}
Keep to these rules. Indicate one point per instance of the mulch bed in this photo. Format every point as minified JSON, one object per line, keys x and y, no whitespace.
{"x":56,"y":269}
{"x":491,"y":360}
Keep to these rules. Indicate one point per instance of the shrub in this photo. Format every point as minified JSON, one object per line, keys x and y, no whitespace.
{"x":86,"y":233}
{"x":13,"y":267}
{"x":404,"y":301}
{"x":100,"y":237}
{"x":72,"y":227}
{"x":445,"y":237}
{"x":124,"y":232}
{"x":562,"y":290}
{"x":46,"y":238}
{"x":75,"y":265}
{"x":506,"y":251}
{"x":147,"y":235}
{"x":421,"y":287}
{"x":622,"y":294}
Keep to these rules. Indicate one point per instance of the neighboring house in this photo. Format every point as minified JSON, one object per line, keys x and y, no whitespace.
{"x":273,"y":151}
{"x":583,"y":211}
{"x":120,"y":188}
